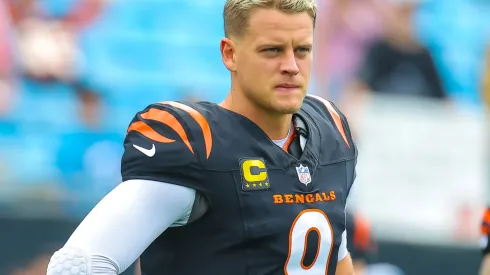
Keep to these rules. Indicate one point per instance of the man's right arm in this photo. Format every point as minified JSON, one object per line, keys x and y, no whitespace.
{"x":117,"y":231}
{"x":162,"y":176}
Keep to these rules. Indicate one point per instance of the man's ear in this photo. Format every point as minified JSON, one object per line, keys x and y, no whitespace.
{"x":228,"y":53}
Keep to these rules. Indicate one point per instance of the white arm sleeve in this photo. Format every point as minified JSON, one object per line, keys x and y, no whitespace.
{"x":126,"y":222}
{"x":343,"y":251}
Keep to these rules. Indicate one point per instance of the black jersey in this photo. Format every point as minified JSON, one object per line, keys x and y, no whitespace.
{"x":268,"y":212}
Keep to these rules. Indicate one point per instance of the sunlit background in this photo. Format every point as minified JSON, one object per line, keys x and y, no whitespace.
{"x":412,"y":76}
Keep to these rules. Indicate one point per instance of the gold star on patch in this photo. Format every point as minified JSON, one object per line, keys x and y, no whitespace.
{"x":260,"y":184}
{"x":254,"y":185}
{"x":266,"y":184}
{"x":247,"y":185}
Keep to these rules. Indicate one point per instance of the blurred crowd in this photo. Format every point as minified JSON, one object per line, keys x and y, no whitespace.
{"x":74,"y":72}
{"x":421,"y":48}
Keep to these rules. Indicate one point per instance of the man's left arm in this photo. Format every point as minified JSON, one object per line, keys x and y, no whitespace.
{"x":344,"y":265}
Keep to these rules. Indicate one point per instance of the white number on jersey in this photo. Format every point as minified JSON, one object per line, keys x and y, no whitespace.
{"x":307,"y":221}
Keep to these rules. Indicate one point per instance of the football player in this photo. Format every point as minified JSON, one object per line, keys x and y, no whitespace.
{"x":254,"y":185}
{"x":485,"y":244}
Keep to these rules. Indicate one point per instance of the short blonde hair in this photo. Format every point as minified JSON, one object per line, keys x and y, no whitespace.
{"x":237,"y":12}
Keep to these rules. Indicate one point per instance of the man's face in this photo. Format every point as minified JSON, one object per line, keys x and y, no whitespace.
{"x":273,"y":60}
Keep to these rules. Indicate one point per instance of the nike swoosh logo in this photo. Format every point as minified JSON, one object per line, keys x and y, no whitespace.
{"x":149,"y":152}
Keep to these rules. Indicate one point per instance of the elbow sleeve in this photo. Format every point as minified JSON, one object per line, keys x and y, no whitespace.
{"x":75,"y":261}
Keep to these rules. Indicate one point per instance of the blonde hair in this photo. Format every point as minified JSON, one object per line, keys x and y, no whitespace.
{"x":237,"y":12}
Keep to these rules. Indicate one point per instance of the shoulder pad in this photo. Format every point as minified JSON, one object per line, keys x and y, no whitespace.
{"x":333,"y":114}
{"x":325,"y":110}
{"x":167,"y":141}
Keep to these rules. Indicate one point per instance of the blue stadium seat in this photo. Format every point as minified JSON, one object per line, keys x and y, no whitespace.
{"x":31,"y":158}
{"x":136,"y":54}
{"x":46,"y":108}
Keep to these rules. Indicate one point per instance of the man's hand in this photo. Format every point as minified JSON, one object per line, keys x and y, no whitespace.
{"x":345,"y":266}
{"x":485,"y":265}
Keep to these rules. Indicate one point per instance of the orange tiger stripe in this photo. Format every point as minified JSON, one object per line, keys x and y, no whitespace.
{"x":336,"y":117}
{"x":147,"y":131}
{"x":200,"y":119}
{"x":169,"y":120}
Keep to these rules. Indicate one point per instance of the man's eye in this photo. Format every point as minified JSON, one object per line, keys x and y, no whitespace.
{"x":272,"y":50}
{"x":304,"y":50}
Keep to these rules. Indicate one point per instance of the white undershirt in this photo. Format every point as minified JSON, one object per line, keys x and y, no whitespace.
{"x":123,"y":224}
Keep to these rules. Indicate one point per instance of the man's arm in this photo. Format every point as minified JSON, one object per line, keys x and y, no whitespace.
{"x":137,"y":267}
{"x":122,"y":226}
{"x":157,"y":151}
{"x":485,"y":265}
{"x":344,"y":265}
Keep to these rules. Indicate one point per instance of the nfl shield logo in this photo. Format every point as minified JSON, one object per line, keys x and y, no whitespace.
{"x":303,"y":174}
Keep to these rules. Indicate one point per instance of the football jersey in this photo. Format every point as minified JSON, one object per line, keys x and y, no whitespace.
{"x":267,"y":212}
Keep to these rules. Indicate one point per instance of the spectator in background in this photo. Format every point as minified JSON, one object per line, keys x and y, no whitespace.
{"x":48,"y":41}
{"x":6,"y":61}
{"x":398,"y":64}
{"x":89,"y":156}
{"x":363,"y":248}
{"x":361,"y":243}
{"x":345,"y":29}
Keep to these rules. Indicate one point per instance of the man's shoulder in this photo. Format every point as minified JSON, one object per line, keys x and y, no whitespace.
{"x":167,"y":140}
{"x":325,"y":113}
{"x":180,"y":126}
{"x":175,"y":140}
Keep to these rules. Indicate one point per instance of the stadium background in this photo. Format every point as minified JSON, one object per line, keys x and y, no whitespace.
{"x":74,"y":72}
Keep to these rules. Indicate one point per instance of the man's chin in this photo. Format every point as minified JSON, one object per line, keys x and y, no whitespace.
{"x":287,"y":109}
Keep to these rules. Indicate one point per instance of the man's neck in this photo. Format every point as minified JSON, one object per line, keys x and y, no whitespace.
{"x":276,"y":127}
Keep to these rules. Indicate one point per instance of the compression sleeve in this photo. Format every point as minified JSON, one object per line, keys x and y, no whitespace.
{"x":118,"y":230}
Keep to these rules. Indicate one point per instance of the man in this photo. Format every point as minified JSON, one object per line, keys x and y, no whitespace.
{"x":398,"y":64}
{"x":255,"y":185}
{"x":485,"y":244}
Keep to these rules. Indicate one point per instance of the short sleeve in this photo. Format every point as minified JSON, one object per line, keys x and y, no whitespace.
{"x":159,"y":146}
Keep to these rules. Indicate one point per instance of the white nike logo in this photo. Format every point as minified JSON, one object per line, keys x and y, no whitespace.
{"x":148,"y":152}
